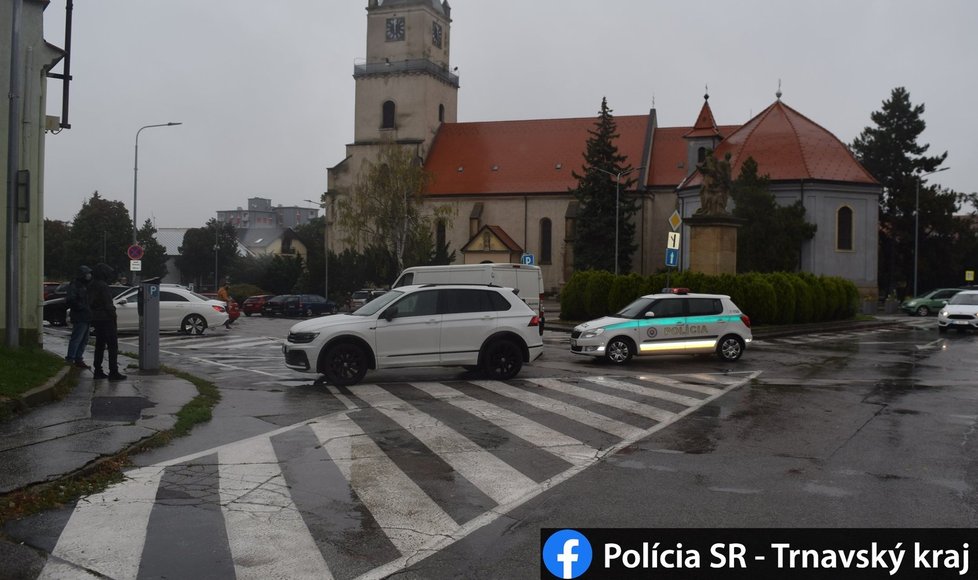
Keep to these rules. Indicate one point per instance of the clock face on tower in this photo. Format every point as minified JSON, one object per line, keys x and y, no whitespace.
{"x":436,"y":34}
{"x":395,"y":28}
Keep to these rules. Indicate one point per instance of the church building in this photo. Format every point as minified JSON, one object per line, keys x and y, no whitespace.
{"x":509,"y":182}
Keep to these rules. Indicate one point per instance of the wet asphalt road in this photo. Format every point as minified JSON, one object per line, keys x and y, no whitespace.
{"x":869,"y":429}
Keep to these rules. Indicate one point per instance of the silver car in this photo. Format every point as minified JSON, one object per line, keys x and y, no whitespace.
{"x":672,"y":322}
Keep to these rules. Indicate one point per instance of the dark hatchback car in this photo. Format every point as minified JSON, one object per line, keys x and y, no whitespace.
{"x":55,"y":310}
{"x":308,"y":305}
{"x":255,"y":304}
{"x":275,"y":306}
{"x":298,"y":305}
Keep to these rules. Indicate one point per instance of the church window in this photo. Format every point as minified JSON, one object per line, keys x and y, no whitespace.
{"x":388,"y":115}
{"x":844,"y":229}
{"x":701,"y":155}
{"x":546,"y":238}
{"x":441,"y":113}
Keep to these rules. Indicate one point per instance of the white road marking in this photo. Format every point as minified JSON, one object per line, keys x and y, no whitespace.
{"x":409,"y":517}
{"x":583,"y":416}
{"x":118,"y":517}
{"x":491,"y":475}
{"x":611,"y":400}
{"x":646,"y":391}
{"x":567,"y":448}
{"x":266,"y":533}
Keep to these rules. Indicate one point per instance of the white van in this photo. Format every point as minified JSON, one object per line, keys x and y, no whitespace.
{"x":526,"y":280}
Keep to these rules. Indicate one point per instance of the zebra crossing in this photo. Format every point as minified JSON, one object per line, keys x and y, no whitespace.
{"x":404,"y":471}
{"x":261,"y":355}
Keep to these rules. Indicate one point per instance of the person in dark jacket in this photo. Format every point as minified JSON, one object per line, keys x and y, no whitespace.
{"x":81,"y":316}
{"x":104,"y":322}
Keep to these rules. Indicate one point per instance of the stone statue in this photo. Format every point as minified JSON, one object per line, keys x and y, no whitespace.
{"x":716,"y":185}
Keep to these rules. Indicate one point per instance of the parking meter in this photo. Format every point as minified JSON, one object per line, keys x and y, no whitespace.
{"x":149,"y":324}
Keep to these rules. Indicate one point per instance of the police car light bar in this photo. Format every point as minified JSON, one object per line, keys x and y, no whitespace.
{"x":675,"y":291}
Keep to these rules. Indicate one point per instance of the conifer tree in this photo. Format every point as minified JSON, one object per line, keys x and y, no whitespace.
{"x":891,"y":153}
{"x":594,"y":229}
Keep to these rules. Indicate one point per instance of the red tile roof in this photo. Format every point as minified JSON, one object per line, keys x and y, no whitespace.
{"x":539,"y":156}
{"x":517,"y":157}
{"x":788,"y":146}
{"x":705,"y":125}
{"x":668,"y":167}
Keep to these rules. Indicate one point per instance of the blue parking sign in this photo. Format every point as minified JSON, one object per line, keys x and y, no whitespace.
{"x":672,"y":257}
{"x":527,"y":259}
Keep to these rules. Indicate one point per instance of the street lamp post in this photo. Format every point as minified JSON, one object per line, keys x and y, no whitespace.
{"x":135,"y":175}
{"x":617,"y":177}
{"x":916,"y":224}
{"x":323,"y":204}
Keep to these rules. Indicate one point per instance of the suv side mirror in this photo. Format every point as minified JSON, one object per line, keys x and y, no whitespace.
{"x":390,"y":314}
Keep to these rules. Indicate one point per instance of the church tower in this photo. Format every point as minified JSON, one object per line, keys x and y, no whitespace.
{"x":405,"y":89}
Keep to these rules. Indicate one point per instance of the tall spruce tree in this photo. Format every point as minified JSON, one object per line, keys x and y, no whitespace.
{"x":772,"y":236}
{"x":594,"y":229}
{"x":891,"y":153}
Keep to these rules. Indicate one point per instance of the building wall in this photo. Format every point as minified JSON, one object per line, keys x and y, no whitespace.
{"x":820,"y":255}
{"x":38,"y":58}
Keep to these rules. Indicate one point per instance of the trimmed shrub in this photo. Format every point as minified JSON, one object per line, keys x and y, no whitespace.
{"x":572,"y":297}
{"x":596,"y":294}
{"x":804,"y":309}
{"x":787,"y":301}
{"x":624,"y":290}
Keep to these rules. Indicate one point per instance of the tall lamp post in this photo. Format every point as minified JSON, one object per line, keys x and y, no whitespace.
{"x":135,"y":174}
{"x":323,"y":204}
{"x":916,"y":223}
{"x":617,"y":176}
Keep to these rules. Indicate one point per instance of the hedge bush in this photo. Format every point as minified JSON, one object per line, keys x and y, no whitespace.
{"x":775,"y":298}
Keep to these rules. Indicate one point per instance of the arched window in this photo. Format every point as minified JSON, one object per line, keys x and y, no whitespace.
{"x":546,"y":238}
{"x":701,"y":155}
{"x":388,"y":115}
{"x":441,"y":113}
{"x":844,"y":229}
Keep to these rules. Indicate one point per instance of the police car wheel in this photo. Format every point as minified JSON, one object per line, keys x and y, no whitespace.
{"x":730,"y":348}
{"x":618,"y":351}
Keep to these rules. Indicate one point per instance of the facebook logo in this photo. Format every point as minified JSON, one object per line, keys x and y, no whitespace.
{"x":567,"y":554}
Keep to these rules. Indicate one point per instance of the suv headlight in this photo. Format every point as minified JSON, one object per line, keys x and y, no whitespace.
{"x":302,"y":337}
{"x":592,"y":333}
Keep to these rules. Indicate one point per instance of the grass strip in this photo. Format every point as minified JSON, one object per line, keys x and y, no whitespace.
{"x":22,"y":369}
{"x":108,"y":470}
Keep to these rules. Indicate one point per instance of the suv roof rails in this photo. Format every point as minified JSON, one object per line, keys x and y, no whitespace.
{"x":432,"y":284}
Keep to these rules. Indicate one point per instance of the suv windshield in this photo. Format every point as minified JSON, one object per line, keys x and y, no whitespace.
{"x":966,"y":298}
{"x":377,"y":304}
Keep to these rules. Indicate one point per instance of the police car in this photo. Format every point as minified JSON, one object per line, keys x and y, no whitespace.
{"x":674,"y":321}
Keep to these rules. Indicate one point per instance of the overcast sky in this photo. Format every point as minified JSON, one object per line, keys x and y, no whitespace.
{"x":266,"y":96}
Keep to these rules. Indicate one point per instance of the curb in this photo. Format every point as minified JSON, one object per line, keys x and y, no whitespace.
{"x":35,"y":397}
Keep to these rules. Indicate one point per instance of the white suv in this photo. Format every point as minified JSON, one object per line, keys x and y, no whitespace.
{"x":476,"y":327}
{"x":672,"y":322}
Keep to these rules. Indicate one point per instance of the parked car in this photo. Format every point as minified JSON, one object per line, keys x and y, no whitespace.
{"x":475,"y":327}
{"x":960,"y":312}
{"x":363,"y":296}
{"x":234,"y":311}
{"x":275,"y":306}
{"x":49,"y":288}
{"x":674,"y":321}
{"x":180,"y":310}
{"x":55,"y":309}
{"x":308,"y":305}
{"x":255,"y":304}
{"x":929,"y":302}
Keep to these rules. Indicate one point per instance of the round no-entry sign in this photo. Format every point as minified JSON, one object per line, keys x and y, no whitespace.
{"x":135,"y":252}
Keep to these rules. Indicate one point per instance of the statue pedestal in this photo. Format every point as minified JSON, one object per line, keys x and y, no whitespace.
{"x":713,"y":243}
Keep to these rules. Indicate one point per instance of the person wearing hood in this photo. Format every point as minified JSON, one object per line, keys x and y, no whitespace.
{"x":104,"y":321}
{"x":76,"y":301}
